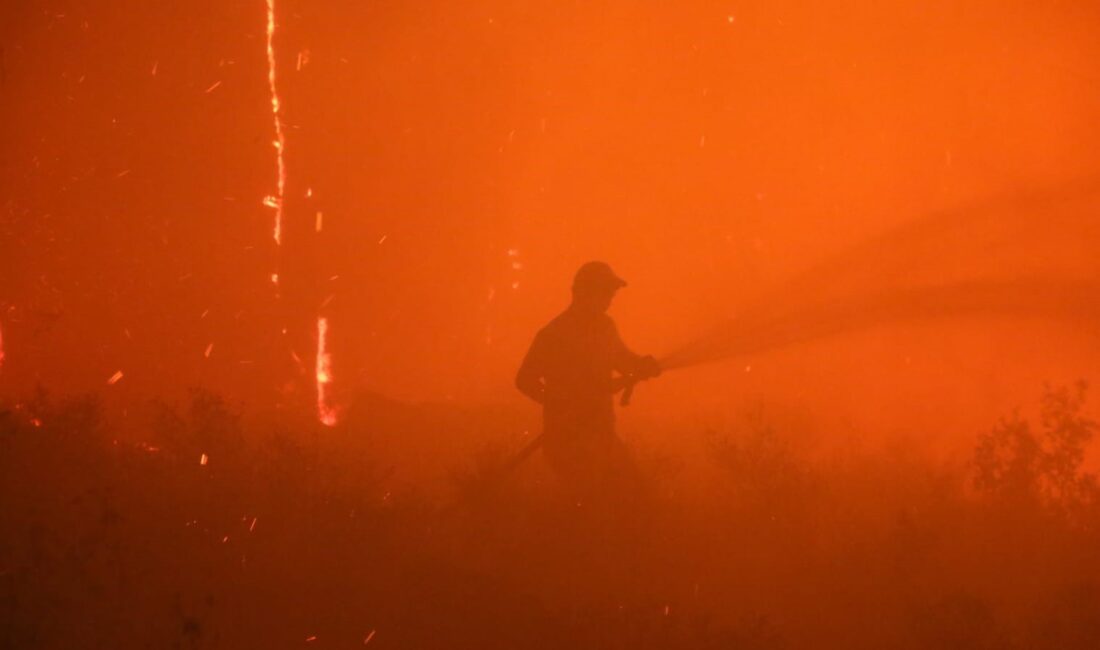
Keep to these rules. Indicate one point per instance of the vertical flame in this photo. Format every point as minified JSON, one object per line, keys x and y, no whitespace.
{"x":326,"y":413}
{"x":276,"y":201}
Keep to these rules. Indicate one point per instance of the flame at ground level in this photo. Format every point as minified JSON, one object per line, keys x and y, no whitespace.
{"x":325,"y":412}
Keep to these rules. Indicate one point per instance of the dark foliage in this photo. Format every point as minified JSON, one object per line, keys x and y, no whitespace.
{"x":223,"y":529}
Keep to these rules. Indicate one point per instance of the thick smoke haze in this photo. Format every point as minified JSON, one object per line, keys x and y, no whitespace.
{"x":465,"y":161}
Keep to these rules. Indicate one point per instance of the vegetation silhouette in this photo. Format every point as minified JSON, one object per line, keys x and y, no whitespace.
{"x":217,"y":528}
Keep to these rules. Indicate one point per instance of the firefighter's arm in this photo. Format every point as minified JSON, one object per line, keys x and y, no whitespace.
{"x":632,"y":366}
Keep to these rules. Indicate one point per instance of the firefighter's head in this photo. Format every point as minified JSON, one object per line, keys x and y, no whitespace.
{"x":595,"y":285}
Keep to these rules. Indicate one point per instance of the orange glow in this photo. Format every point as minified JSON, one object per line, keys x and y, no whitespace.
{"x":325,"y":412}
{"x":855,"y":246}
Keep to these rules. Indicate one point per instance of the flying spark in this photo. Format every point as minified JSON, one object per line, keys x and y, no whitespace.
{"x":114,"y":378}
{"x":325,"y":412}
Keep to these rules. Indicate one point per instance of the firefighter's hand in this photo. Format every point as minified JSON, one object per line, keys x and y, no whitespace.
{"x":648,"y":368}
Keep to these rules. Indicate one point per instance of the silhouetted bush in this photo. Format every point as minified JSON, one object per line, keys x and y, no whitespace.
{"x":290,"y":532}
{"x":1022,"y":467}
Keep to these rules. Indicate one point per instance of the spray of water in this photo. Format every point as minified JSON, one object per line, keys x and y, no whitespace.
{"x":1000,"y":258}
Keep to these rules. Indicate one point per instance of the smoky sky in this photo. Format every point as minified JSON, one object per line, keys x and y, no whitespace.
{"x":466,"y":159}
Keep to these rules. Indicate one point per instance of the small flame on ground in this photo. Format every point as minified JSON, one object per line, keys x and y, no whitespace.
{"x":325,"y":413}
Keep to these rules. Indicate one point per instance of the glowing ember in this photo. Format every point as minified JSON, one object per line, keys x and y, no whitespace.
{"x":209,"y":349}
{"x":114,"y":378}
{"x":369,"y":637}
{"x":204,"y":459}
{"x":276,"y":201}
{"x":326,"y":413}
